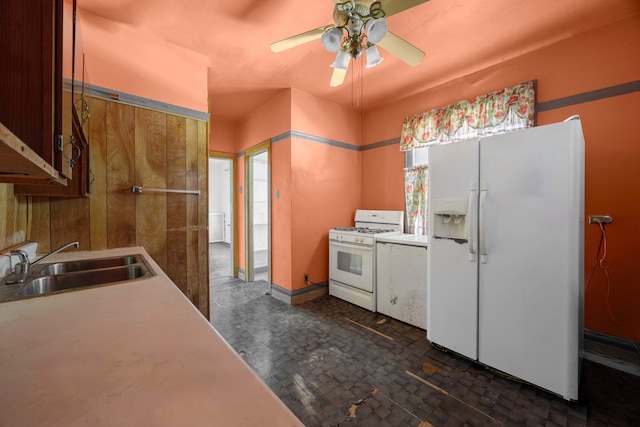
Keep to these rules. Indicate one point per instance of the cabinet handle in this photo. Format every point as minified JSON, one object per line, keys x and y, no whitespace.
{"x":73,"y":158}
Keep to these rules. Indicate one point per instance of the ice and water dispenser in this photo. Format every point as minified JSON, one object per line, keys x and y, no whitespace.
{"x":450,"y":219}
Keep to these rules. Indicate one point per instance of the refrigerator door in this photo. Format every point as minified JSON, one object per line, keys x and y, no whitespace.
{"x":452,"y":291}
{"x":531,"y":256}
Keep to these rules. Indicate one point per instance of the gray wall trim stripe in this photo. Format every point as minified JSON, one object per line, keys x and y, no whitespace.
{"x":381,"y":144}
{"x":594,"y":95}
{"x":281,"y":137}
{"x":309,"y":137}
{"x":100,"y":92}
{"x":313,"y":138}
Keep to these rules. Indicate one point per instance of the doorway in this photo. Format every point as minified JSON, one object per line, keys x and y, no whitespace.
{"x":258,"y":218}
{"x":221,"y":217}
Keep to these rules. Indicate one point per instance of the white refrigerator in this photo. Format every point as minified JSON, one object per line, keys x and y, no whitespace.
{"x":505,"y":259}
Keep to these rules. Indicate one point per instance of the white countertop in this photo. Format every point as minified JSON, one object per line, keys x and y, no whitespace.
{"x":131,"y":354}
{"x":404,"y":239}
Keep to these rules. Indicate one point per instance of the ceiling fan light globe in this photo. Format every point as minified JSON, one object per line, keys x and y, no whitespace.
{"x":331,"y":39}
{"x":376,"y":29}
{"x":373,"y":56}
{"x":342,"y":60}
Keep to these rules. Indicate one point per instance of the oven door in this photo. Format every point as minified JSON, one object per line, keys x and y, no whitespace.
{"x":351,"y":264}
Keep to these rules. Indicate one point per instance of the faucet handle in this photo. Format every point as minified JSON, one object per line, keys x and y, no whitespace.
{"x":23,"y":266}
{"x":23,"y":255}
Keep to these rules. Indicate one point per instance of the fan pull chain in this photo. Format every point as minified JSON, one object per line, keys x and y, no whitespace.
{"x":361,"y":87}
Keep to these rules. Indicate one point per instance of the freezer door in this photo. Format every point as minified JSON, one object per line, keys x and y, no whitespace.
{"x":452,"y":269}
{"x":530,"y":242}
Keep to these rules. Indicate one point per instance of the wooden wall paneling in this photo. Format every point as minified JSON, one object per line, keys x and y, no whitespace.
{"x":150,"y":171}
{"x":13,"y":217}
{"x":98,"y":173}
{"x":6,"y":214}
{"x":5,"y":191}
{"x":120,"y":175}
{"x":21,"y":208}
{"x":203,"y":218}
{"x":70,"y":222}
{"x":40,"y":223}
{"x":193,"y":276}
{"x":176,"y":203}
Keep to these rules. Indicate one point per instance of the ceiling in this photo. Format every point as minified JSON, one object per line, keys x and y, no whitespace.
{"x":459,"y":37}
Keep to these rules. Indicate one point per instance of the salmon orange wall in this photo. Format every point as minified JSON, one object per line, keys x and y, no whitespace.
{"x":325,"y":181}
{"x":271,"y":119}
{"x":325,"y":186}
{"x":320,"y":118}
{"x":595,"y":60}
{"x":147,"y":67}
{"x":223,"y":136}
{"x":281,"y":224}
{"x":383,"y":178}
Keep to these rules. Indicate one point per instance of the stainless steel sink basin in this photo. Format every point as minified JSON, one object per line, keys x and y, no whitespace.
{"x":64,"y":276}
{"x":87,"y":264}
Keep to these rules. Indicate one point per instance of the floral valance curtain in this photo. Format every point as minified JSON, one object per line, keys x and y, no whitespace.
{"x":505,"y":110}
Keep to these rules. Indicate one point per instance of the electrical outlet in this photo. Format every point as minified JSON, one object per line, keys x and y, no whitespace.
{"x":306,"y":277}
{"x":600,"y":219}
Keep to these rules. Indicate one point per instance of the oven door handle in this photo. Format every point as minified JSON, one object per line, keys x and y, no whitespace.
{"x":351,"y":246}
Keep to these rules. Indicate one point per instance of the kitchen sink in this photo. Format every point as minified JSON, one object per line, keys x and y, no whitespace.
{"x":87,"y":264}
{"x":60,"y":282}
{"x":69,"y":275}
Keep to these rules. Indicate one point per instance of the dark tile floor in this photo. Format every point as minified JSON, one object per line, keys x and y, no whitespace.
{"x":335,"y":364}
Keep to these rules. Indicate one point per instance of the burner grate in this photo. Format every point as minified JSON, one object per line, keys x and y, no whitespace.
{"x":364,"y":230}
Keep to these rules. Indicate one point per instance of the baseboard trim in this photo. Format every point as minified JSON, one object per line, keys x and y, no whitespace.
{"x":299,"y":295}
{"x":613,"y":352}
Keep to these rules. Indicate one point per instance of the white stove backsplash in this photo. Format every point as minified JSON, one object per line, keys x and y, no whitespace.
{"x":7,"y":261}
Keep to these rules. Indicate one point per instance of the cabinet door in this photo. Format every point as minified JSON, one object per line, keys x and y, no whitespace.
{"x":402,"y":282}
{"x":27,"y":52}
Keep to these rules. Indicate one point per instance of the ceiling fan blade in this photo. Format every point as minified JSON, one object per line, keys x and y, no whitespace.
{"x":299,"y":39}
{"x":402,"y":49}
{"x":391,"y":7}
{"x":337,"y":78}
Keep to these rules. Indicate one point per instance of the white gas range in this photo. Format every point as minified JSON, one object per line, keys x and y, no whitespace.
{"x":352,"y":255}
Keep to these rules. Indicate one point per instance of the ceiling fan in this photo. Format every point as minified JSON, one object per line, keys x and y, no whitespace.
{"x":359,"y":26}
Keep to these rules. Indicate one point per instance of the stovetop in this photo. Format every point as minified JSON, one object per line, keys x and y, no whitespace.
{"x":364,"y":230}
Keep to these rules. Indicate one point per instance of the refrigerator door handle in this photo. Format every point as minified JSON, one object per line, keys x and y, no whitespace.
{"x":471,"y":221}
{"x":481,"y":230}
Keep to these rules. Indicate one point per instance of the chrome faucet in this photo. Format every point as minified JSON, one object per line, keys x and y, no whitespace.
{"x":60,"y":249}
{"x":23,"y":268}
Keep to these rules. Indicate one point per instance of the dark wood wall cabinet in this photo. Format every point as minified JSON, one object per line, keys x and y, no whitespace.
{"x":40,"y":141}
